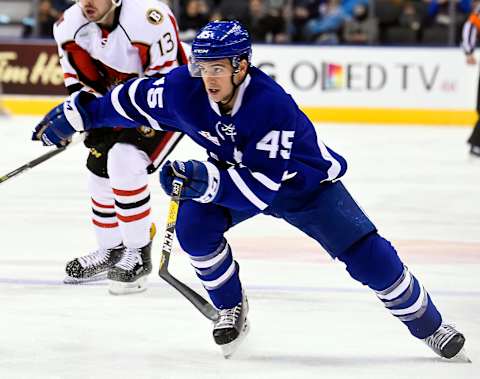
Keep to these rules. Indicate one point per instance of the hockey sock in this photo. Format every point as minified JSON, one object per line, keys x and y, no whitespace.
{"x":133,"y":212}
{"x":129,"y":180}
{"x":408,"y":300}
{"x":374,"y":262}
{"x":104,"y":217}
{"x":219,"y":275}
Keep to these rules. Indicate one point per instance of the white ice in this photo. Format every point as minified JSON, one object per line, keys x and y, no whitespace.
{"x":308,"y":318}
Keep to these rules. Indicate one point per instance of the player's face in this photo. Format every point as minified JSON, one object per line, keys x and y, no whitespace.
{"x":94,"y":10}
{"x":216,"y":76}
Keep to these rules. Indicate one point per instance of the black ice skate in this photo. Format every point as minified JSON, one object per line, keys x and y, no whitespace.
{"x":92,"y":267}
{"x":448,"y":343}
{"x":475,"y":151}
{"x":231,"y":328}
{"x":130,"y":273}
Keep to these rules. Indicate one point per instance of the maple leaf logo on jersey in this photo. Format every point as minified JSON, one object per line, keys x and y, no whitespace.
{"x":226,"y":130}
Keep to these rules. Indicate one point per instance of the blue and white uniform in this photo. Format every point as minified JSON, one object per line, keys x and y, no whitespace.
{"x":264,"y":156}
{"x":268,"y":145}
{"x":271,"y":160}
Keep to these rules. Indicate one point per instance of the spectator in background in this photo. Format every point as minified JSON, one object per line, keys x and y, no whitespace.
{"x":61,"y":5}
{"x":264,"y":24}
{"x":326,"y":27}
{"x":303,"y":11}
{"x":47,"y":15}
{"x":194,"y":16}
{"x":276,"y":25}
{"x":360,"y":29}
{"x":439,"y":12}
{"x":333,"y":14}
{"x":410,"y":18}
{"x":232,"y":9}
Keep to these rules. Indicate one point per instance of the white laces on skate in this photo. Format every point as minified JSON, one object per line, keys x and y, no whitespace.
{"x":95,"y":258}
{"x":441,"y":336}
{"x":228,"y":317}
{"x":130,"y":257}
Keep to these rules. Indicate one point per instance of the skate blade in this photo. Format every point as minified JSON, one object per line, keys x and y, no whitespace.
{"x":230,"y":348}
{"x":94,"y":278}
{"x":127,"y":288}
{"x":461,"y":357}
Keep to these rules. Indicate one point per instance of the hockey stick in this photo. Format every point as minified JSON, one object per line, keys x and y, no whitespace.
{"x":197,"y":300}
{"x":40,"y":159}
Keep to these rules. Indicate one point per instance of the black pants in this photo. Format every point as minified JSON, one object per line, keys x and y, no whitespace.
{"x":474,"y":139}
{"x":100,"y":141}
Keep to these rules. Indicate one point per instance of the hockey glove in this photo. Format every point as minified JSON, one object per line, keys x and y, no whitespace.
{"x":201,"y":179}
{"x":63,"y":121}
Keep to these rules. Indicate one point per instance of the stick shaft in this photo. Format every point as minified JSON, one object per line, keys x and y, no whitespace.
{"x":31,"y":164}
{"x":42,"y":158}
{"x":196,"y":299}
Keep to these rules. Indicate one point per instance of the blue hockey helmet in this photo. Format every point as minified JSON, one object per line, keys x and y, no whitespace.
{"x":218,"y":40}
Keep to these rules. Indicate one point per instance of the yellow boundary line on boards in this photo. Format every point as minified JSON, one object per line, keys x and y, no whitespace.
{"x":40,"y":106}
{"x":393,"y":116}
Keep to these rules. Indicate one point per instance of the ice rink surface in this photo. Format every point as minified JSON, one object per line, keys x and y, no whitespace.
{"x":308,"y":318}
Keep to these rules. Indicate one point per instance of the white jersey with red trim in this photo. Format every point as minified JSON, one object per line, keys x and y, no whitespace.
{"x":143,"y":41}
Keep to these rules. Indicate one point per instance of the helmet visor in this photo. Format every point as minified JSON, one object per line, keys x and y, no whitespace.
{"x":209,"y":68}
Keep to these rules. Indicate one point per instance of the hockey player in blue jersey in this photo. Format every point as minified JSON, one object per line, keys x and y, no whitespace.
{"x":264,"y":156}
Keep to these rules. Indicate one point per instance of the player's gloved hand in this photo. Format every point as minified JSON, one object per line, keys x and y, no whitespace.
{"x":201,"y":179}
{"x":63,"y":121}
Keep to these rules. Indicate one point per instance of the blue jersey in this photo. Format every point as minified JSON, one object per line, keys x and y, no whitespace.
{"x":265,"y":145}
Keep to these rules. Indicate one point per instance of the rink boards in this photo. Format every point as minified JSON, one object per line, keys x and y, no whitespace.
{"x":330,"y":83}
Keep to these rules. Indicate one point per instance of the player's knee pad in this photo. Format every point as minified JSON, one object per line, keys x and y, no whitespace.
{"x":200,"y":227}
{"x":125,"y":160}
{"x":99,"y":188}
{"x":373,"y":261}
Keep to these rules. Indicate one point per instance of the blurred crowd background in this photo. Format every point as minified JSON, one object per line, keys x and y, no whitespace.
{"x":350,"y":22}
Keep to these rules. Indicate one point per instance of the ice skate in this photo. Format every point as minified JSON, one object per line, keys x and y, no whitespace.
{"x":231,"y":328}
{"x":129,"y":274}
{"x":92,"y":267}
{"x":475,"y":151}
{"x":448,"y":343}
{"x":474,"y":154}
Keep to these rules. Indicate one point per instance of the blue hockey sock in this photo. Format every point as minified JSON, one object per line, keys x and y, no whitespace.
{"x":374,"y":262}
{"x":219,"y":275}
{"x":408,"y":300}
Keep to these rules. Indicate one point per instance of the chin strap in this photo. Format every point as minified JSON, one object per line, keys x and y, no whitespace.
{"x":235,"y":87}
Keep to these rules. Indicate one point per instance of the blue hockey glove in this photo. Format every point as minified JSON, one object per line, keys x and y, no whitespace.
{"x":201,"y":179}
{"x":63,"y":121}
